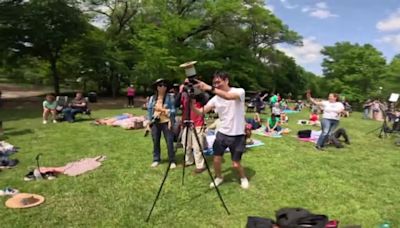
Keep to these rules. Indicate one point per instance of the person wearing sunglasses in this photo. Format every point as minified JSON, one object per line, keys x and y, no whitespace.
{"x":161,"y":113}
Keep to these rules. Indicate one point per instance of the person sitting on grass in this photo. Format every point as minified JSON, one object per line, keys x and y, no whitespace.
{"x":49,"y":106}
{"x":314,"y":118}
{"x":78,"y":105}
{"x":247,"y":131}
{"x":284,"y":118}
{"x":273,"y":124}
{"x":276,"y":110}
{"x":255,"y":122}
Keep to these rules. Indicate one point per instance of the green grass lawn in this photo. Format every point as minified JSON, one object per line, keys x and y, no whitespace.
{"x":356,"y":185}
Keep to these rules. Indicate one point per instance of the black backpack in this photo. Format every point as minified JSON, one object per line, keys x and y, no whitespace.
{"x":299,"y":217}
{"x":258,"y":222}
{"x":304,"y":134}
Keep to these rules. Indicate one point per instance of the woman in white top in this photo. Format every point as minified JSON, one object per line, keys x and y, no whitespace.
{"x":330,"y":118}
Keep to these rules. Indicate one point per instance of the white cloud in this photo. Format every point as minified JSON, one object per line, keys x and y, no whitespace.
{"x":322,"y":14}
{"x":390,"y":24}
{"x":393,"y":40}
{"x":321,"y":5}
{"x":305,"y":9}
{"x":288,"y":5}
{"x":269,"y":7}
{"x":319,"y":10}
{"x":309,"y":53}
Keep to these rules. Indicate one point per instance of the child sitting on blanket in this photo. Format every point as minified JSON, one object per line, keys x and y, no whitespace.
{"x":247,"y":131}
{"x":273,"y":124}
{"x":284,"y":118}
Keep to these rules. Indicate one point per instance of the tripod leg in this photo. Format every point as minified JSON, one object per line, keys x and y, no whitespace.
{"x":372,"y":130}
{"x":159,"y":191}
{"x":209,"y":171}
{"x":186,"y":130}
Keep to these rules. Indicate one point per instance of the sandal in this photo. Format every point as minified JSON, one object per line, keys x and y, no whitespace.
{"x":8,"y":191}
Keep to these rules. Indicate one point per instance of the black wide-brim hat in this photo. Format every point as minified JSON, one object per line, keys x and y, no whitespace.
{"x":161,"y":80}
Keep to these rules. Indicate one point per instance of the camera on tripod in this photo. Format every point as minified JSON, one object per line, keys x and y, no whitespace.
{"x":189,"y":85}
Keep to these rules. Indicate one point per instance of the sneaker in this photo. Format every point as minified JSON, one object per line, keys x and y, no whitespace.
{"x":217,"y":181}
{"x":172,"y":166}
{"x":44,"y":121}
{"x":8,"y":192}
{"x":189,"y":164}
{"x":29,"y":177}
{"x":347,"y":142}
{"x":8,"y":164}
{"x":244,"y":183}
{"x":154,"y":164}
{"x":197,"y":171}
{"x":54,"y":121}
{"x":319,"y":148}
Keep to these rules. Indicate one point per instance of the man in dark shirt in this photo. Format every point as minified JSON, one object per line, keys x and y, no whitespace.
{"x":77,"y":105}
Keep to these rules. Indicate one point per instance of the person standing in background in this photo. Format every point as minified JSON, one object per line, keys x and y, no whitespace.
{"x":130,"y":93}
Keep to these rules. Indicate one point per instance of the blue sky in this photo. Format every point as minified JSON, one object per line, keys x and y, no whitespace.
{"x":322,"y":23}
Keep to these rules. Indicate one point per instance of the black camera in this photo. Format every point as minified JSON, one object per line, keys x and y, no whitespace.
{"x":194,"y":92}
{"x":154,"y":120}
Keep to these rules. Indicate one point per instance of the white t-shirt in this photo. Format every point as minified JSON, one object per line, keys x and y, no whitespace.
{"x":230,"y":112}
{"x":332,"y":110}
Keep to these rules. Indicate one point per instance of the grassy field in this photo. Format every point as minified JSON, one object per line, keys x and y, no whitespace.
{"x":356,"y":185}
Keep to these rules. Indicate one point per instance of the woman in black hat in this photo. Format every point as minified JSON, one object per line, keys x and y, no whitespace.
{"x":161,"y":113}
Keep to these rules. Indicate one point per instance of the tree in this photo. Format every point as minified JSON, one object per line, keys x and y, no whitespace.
{"x":353,"y":69}
{"x":42,"y":28}
{"x":391,"y":80}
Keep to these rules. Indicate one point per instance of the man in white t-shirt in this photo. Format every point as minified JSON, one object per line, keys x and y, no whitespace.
{"x":228,"y":102}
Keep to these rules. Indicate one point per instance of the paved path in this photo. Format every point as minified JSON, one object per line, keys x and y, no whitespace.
{"x":10,"y":91}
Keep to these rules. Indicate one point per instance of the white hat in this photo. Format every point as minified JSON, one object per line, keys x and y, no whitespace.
{"x":190,"y":71}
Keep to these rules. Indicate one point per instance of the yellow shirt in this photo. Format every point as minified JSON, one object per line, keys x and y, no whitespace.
{"x":159,"y":105}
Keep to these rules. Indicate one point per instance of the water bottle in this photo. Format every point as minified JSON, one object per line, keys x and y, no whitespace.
{"x":385,"y":224}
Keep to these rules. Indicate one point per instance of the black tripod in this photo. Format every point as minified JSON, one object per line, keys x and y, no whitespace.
{"x":188,"y":125}
{"x":383,"y":130}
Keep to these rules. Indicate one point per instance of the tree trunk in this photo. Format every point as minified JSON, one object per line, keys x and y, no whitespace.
{"x":56,"y":77}
{"x":114,"y":84}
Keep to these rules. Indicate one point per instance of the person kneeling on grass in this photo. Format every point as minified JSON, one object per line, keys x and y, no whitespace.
{"x":273,"y":124}
{"x":49,"y":106}
{"x":334,"y":138}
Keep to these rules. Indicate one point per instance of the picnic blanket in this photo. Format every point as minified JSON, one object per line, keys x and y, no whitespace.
{"x":289,"y":111}
{"x":309,"y":123}
{"x":211,"y":138}
{"x":261,"y":131}
{"x":313,"y":138}
{"x":76,"y":168}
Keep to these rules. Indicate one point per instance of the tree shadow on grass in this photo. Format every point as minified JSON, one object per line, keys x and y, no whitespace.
{"x":18,"y":132}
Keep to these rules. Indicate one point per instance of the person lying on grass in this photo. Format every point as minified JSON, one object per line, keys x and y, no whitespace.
{"x":111,"y":120}
{"x":273,"y":124}
{"x":254,"y":122}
